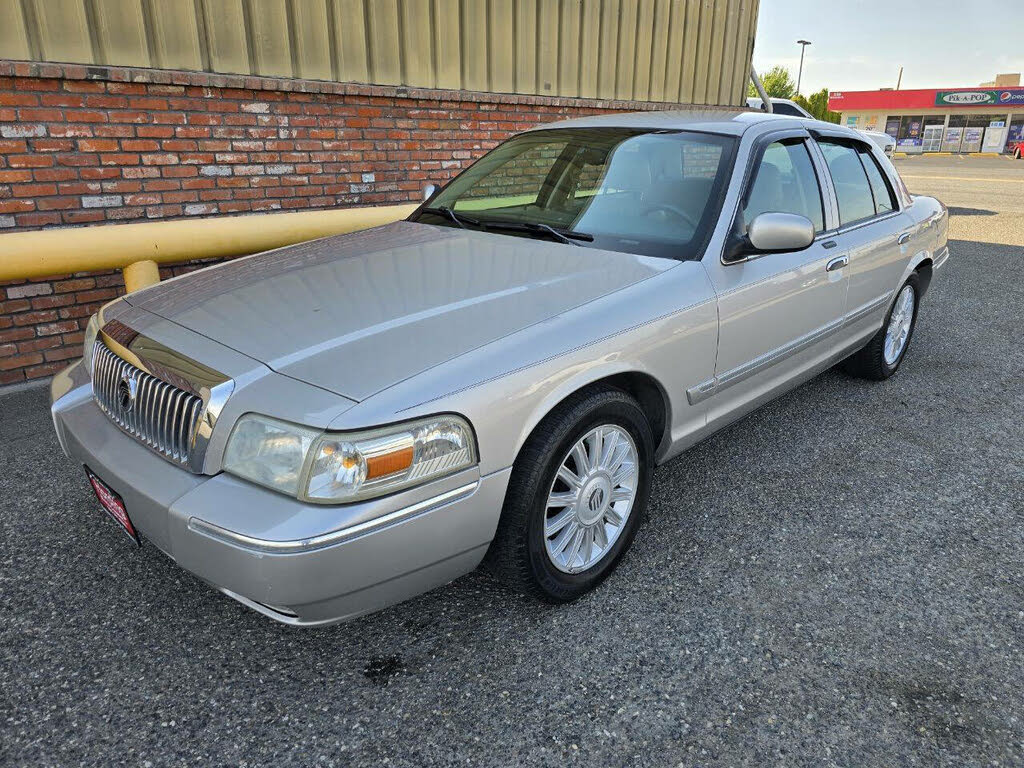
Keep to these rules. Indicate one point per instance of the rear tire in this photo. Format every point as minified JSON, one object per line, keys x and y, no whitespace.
{"x":527,"y":553}
{"x":880,"y":358}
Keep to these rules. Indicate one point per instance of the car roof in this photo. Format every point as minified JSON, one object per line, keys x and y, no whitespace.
{"x":723,"y":121}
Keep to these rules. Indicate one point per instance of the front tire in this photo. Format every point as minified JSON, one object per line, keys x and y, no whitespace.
{"x":576,"y":496}
{"x":880,"y":358}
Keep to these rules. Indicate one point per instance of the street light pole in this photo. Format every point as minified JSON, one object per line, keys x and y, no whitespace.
{"x":803,"y":46}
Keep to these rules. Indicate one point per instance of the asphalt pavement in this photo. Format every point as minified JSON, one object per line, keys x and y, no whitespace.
{"x":835,"y":580}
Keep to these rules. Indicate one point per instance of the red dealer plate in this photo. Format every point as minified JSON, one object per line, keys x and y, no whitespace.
{"x":113,"y":505}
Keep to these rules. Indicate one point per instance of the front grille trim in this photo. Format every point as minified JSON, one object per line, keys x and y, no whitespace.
{"x":165,"y":418}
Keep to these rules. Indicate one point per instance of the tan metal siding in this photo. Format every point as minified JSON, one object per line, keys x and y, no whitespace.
{"x":659,"y":50}
{"x":14,"y":38}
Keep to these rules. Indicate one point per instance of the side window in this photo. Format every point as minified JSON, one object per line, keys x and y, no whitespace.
{"x":885,"y":200}
{"x":785,"y":182}
{"x":853,"y":190}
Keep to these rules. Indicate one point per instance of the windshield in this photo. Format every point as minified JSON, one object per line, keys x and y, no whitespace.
{"x":656,"y":193}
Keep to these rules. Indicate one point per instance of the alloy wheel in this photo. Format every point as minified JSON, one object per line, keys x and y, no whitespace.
{"x":591,"y":498}
{"x":900,"y":322}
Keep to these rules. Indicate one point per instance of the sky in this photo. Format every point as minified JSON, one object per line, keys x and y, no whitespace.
{"x":861,"y":44}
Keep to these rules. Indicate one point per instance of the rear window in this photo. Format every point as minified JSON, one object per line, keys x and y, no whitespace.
{"x":853,"y":190}
{"x":885,"y":199}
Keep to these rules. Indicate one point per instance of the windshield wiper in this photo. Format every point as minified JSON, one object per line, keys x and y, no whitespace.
{"x":561,"y":235}
{"x":459,"y":218}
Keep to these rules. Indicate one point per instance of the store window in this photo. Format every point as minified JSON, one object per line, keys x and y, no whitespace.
{"x":974,"y":133}
{"x":1015,"y":136}
{"x":910,"y":131}
{"x":954,"y":135}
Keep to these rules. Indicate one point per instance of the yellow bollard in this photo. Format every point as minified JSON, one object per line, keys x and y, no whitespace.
{"x":140,"y":274}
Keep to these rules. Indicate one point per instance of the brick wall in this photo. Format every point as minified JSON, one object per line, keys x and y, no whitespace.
{"x":104,"y":145}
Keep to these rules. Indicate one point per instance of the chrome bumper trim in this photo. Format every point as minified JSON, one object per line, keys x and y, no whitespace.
{"x":333,"y":537}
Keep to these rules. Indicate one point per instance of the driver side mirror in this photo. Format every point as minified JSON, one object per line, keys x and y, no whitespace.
{"x":429,"y":190}
{"x":773,"y":233}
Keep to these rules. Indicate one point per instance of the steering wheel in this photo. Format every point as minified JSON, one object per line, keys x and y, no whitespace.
{"x":677,"y":212}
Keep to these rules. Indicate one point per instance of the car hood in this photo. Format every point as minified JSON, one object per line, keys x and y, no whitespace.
{"x":357,"y":313}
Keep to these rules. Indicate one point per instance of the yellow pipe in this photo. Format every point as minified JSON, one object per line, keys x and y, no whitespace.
{"x":52,"y":252}
{"x":141,"y":274}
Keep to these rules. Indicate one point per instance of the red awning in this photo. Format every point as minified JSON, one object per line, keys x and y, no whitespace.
{"x":922,"y":98}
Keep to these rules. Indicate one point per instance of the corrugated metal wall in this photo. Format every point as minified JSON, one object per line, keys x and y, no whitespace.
{"x":691,"y":51}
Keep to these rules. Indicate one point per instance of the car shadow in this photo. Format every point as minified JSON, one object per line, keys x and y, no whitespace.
{"x":960,"y":211}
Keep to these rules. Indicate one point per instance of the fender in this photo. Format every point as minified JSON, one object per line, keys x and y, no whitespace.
{"x":574,"y":383}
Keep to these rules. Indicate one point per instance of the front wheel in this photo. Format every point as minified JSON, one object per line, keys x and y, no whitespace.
{"x":881,"y":357}
{"x":576,"y":496}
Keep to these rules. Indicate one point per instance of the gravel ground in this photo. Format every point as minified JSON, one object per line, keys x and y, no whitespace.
{"x":835,"y":580}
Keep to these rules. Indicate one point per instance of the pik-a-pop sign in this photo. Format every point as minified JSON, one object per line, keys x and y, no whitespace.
{"x":979,"y":98}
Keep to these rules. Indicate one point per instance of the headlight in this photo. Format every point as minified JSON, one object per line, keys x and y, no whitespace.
{"x":269,"y":452}
{"x":89,"y":342}
{"x":342,"y":467}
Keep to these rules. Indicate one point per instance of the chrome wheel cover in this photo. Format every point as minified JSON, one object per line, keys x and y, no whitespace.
{"x":591,"y":498}
{"x":898,"y":332}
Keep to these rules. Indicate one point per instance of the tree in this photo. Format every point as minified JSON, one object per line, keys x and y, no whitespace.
{"x":777,"y":82}
{"x":817,"y":105}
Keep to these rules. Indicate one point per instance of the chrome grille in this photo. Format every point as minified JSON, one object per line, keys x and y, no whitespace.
{"x":160,"y":415}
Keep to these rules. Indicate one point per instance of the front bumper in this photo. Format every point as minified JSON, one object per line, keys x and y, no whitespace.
{"x":298,"y":563}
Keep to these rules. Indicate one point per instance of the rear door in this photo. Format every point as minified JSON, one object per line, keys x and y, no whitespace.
{"x":777,"y":311}
{"x":871,"y":226}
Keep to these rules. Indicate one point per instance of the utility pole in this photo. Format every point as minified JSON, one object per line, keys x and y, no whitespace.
{"x":899,"y":79}
{"x":799,"y":76}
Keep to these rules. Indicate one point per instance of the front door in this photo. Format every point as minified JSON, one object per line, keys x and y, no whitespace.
{"x":777,"y":311}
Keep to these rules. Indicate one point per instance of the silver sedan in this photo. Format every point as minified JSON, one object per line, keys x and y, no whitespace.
{"x":329,"y":428}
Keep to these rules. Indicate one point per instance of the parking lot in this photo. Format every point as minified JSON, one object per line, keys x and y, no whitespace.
{"x":835,"y":580}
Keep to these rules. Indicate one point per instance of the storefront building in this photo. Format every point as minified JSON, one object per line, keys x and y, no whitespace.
{"x":955,"y":120}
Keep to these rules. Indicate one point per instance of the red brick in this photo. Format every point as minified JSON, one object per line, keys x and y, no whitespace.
{"x":39,"y":344}
{"x":41,"y":371}
{"x":17,"y":334}
{"x":17,"y":206}
{"x":20,"y":361}
{"x":97,"y":145}
{"x":33,"y":190}
{"x":29,"y":161}
{"x":14,"y":305}
{"x":74,"y":284}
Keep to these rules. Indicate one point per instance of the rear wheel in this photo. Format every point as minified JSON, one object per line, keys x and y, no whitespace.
{"x":576,"y":496}
{"x":881,"y":357}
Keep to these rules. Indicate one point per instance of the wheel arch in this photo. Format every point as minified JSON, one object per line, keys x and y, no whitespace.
{"x":643,"y":386}
{"x":924,"y":273}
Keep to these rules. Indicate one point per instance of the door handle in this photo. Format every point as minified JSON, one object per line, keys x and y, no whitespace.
{"x":903,"y":238}
{"x":837,"y":263}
